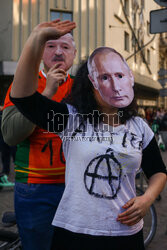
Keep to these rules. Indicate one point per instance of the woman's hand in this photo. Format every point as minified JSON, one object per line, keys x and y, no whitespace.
{"x":136,"y":209}
{"x":53,"y":29}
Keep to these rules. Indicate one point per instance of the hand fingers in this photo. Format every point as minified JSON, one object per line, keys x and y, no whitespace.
{"x":66,"y":27}
{"x":60,"y":28}
{"x":129,"y":203}
{"x":59,"y":22}
{"x":131,"y":221}
{"x":59,"y":71}
{"x":56,"y":73}
{"x":56,"y":20}
{"x":66,"y":22}
{"x":129,"y":216}
{"x":60,"y":80}
{"x":127,"y":212}
{"x":56,"y":77}
{"x":60,"y":25}
{"x":132,"y":217}
{"x":63,"y":24}
{"x":56,"y":67}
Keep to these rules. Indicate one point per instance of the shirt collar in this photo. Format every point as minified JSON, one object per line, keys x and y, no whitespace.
{"x":43,"y":73}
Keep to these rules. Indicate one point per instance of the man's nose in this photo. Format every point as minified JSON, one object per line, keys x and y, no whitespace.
{"x":115,"y":84}
{"x":58,"y":51}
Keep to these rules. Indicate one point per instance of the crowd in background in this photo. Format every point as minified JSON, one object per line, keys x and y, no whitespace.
{"x":154,"y":115}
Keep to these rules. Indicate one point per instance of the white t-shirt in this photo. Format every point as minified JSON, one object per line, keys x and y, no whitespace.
{"x":101,"y":166}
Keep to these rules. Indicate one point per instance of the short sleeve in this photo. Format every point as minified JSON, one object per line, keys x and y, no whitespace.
{"x":142,"y":128}
{"x":152,"y":162}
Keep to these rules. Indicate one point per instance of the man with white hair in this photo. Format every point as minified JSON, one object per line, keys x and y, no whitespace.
{"x":39,"y":165}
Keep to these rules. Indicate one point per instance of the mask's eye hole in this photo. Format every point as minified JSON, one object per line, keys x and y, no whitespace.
{"x":104,"y":77}
{"x":120,"y":76}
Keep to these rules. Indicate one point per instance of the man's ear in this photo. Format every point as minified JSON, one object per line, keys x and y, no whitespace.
{"x":132,"y":78}
{"x":75,"y":52}
{"x":93,"y":81}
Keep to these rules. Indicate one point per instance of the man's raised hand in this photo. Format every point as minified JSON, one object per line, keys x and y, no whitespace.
{"x":54,"y":29}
